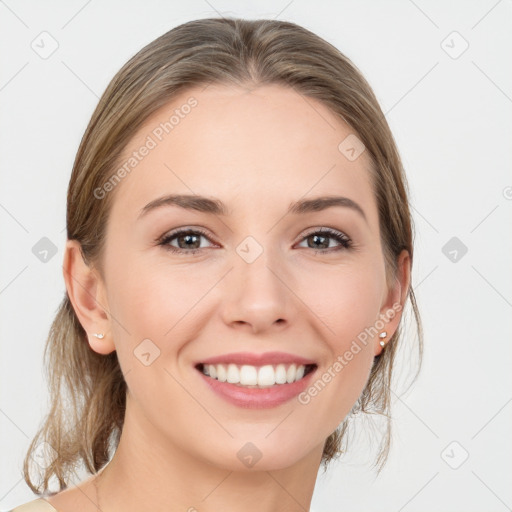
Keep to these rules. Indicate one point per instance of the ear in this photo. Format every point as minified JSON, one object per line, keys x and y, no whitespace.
{"x":87,"y":294}
{"x":391,"y":311}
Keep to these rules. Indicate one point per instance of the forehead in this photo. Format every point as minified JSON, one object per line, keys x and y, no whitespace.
{"x":251,"y":148}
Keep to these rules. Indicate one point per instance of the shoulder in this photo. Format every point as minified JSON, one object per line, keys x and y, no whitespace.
{"x":38,"y":505}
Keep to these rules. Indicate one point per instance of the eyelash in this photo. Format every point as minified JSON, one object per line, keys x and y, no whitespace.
{"x":344,"y":240}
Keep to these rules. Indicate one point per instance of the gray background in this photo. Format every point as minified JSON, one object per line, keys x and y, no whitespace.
{"x":449,"y":108}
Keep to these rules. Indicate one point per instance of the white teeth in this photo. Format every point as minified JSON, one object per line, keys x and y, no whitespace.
{"x":290,"y":374}
{"x":221,"y":372}
{"x":266,"y":376}
{"x":254,"y":376}
{"x":233,"y":374}
{"x":248,"y":375}
{"x":281,"y":374}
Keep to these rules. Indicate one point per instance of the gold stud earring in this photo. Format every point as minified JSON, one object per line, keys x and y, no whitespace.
{"x":382,"y":336}
{"x":99,"y":335}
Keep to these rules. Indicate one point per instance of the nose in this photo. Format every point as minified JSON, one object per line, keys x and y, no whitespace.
{"x":257,"y":296}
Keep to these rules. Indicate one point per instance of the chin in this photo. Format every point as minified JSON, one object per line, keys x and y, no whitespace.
{"x":261,"y":454}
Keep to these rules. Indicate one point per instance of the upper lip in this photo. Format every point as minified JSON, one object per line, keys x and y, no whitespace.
{"x":241,"y":358}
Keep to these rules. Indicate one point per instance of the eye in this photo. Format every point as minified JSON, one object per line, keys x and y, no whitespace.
{"x":321,"y":239}
{"x":188,"y":240}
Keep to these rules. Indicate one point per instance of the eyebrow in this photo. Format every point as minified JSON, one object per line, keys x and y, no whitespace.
{"x":216,"y":207}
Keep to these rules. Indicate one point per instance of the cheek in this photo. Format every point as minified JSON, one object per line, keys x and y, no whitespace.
{"x":152,"y":305}
{"x":154,"y":300}
{"x":347,"y":305}
{"x":345,"y":298}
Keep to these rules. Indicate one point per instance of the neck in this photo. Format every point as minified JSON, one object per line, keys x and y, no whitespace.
{"x":149,"y":472}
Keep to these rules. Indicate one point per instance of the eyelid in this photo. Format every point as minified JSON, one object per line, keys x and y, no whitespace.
{"x":323,"y":229}
{"x":185,"y":229}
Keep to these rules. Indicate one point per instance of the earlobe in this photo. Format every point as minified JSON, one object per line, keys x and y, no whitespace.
{"x":391,"y":312}
{"x":86,"y":291}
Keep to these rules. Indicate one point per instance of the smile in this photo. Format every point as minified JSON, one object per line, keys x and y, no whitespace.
{"x":256,"y":376}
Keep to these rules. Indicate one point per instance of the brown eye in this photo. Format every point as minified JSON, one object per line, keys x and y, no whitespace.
{"x":321,"y":240}
{"x":188,"y":241}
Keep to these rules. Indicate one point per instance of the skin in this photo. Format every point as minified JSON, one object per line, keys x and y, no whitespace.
{"x":257,"y":150}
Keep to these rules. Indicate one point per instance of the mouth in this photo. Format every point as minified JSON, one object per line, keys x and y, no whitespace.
{"x":249,"y":376}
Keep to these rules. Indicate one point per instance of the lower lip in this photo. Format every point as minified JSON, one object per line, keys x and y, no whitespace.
{"x":258,"y":398}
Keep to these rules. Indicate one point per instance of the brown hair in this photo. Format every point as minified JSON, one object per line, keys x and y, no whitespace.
{"x":87,"y":390}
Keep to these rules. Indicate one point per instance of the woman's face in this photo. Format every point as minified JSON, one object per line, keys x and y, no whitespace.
{"x":249,"y":276}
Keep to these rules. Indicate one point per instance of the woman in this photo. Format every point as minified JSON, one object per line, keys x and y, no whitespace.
{"x":238,"y":261}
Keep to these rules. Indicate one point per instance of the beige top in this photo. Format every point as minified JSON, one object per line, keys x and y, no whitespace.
{"x":38,"y":505}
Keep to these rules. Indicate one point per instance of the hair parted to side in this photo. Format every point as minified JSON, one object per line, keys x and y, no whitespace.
{"x":87,"y":389}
